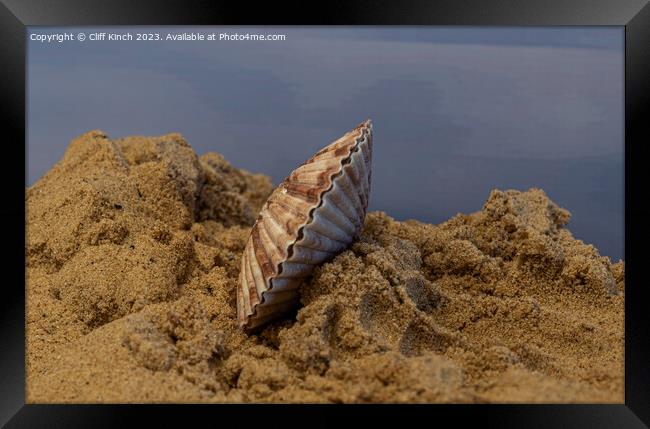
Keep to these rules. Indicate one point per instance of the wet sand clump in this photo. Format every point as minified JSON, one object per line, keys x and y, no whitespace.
{"x":133,"y":250}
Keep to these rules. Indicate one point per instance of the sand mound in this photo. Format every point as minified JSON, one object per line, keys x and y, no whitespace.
{"x":133,"y":250}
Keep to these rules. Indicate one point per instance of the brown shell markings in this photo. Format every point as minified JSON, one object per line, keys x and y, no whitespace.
{"x":313,"y":215}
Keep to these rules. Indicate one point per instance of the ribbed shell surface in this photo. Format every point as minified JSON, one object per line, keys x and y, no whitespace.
{"x":313,"y":215}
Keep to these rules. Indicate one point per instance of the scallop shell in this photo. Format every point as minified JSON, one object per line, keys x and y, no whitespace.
{"x":313,"y":215}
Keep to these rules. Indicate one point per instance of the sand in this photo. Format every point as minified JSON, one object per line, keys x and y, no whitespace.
{"x":132,"y":256}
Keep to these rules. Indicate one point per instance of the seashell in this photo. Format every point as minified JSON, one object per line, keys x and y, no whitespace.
{"x":313,"y":215}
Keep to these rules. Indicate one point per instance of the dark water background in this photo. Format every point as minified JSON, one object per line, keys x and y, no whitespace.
{"x":457,"y":111}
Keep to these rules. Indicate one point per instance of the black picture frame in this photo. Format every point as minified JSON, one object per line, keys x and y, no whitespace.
{"x":16,"y":15}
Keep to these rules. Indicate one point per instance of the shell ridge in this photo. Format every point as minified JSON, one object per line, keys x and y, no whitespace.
{"x":305,"y":253}
{"x":258,"y":277}
{"x":280,"y":298}
{"x":314,"y":240}
{"x":311,"y":178}
{"x":252,"y":289}
{"x":293,"y":270}
{"x":349,"y":189}
{"x":360,"y":173}
{"x":318,"y":164}
{"x":301,"y":191}
{"x":287,"y":209}
{"x":331,"y":212}
{"x":244,"y":289}
{"x":282,"y":284}
{"x":328,"y":228}
{"x":241,"y":316}
{"x":353,"y":173}
{"x":275,"y":255}
{"x":271,"y":227}
{"x":362,"y":165}
{"x":342,"y":201}
{"x":275,"y":230}
{"x":282,"y":218}
{"x":264,"y":259}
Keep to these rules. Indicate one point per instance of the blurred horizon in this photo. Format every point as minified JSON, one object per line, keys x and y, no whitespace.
{"x":457,"y":111}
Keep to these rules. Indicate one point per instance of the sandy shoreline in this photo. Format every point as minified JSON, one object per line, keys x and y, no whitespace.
{"x":133,"y":250}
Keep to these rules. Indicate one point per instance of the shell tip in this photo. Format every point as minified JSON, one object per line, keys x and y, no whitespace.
{"x":365,"y":124}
